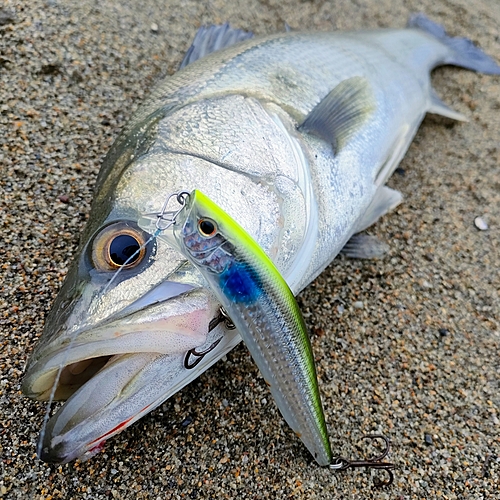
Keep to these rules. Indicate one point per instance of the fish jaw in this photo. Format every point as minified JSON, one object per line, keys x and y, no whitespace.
{"x":126,"y":389}
{"x":172,"y":326}
{"x":86,"y":420}
{"x":119,"y":348}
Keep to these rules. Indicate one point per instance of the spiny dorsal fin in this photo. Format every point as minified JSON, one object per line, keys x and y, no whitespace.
{"x":212,"y":38}
{"x":342,"y":112}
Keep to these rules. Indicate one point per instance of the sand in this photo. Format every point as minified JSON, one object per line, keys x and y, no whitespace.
{"x":407,"y":346}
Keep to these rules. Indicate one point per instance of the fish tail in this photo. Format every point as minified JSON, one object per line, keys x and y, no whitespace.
{"x":462,"y":53}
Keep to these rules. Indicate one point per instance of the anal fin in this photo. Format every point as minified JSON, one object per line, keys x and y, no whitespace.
{"x":438,"y":107}
{"x":342,"y":112}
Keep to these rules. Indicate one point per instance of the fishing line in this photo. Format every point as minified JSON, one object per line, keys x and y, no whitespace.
{"x":170,"y":218}
{"x":162,"y":218}
{"x":130,"y":259}
{"x":62,"y":364}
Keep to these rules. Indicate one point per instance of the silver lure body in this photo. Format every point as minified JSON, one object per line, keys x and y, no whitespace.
{"x":263,"y":309}
{"x":228,"y":125}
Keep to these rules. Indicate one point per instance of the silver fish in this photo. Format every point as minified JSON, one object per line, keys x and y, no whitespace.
{"x":294,"y":136}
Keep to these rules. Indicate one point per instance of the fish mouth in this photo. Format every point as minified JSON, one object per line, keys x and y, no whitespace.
{"x":121,"y":369}
{"x":175,"y":324}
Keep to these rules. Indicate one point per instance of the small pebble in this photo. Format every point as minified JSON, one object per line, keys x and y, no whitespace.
{"x":187,"y":421}
{"x":428,"y":439}
{"x":358,"y":304}
{"x":443,"y":332}
{"x":51,"y":68}
{"x":154,"y":28}
{"x":6,"y":17}
{"x":481,"y":224}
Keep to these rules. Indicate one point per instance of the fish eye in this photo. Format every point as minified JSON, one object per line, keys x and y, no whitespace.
{"x":207,"y":227}
{"x":118,"y":245}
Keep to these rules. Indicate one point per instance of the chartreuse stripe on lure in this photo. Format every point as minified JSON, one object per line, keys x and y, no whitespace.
{"x":264,"y":310}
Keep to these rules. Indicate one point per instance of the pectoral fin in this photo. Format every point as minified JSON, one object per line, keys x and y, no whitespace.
{"x":342,"y":112}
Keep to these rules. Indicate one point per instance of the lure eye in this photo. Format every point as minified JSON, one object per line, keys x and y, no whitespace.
{"x":118,"y":245}
{"x":206,"y":227}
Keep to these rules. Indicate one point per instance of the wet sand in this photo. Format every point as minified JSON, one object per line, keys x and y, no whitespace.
{"x":407,"y":346}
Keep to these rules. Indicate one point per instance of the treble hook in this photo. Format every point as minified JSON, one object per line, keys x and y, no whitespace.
{"x":198,"y":355}
{"x":222,"y":316}
{"x":342,"y":463}
{"x":227,"y":320}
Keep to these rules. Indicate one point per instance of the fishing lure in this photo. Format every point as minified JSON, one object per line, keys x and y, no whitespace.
{"x":257,"y":300}
{"x":261,"y":306}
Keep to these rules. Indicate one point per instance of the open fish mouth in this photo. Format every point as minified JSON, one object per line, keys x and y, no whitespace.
{"x":117,"y":371}
{"x":169,"y":326}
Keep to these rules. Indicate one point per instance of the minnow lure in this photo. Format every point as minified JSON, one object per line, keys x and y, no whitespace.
{"x":263,"y":309}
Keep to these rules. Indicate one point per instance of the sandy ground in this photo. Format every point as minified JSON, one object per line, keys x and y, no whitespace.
{"x":407,"y":346}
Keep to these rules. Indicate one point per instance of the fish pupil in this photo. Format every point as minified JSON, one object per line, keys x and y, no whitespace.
{"x":207,"y":227}
{"x":122,"y":248}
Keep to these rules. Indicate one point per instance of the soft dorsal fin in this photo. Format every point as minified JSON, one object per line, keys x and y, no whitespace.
{"x":212,"y":38}
{"x":342,"y":112}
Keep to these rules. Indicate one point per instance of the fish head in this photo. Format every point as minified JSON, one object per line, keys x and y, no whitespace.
{"x":125,"y":293}
{"x":114,"y":344}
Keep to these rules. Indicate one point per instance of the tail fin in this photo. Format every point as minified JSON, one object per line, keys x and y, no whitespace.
{"x":463,"y":52}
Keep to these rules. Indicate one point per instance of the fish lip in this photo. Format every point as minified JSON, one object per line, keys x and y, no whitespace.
{"x":67,"y":439}
{"x":58,"y":454}
{"x":71,"y":348}
{"x":64,"y":450}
